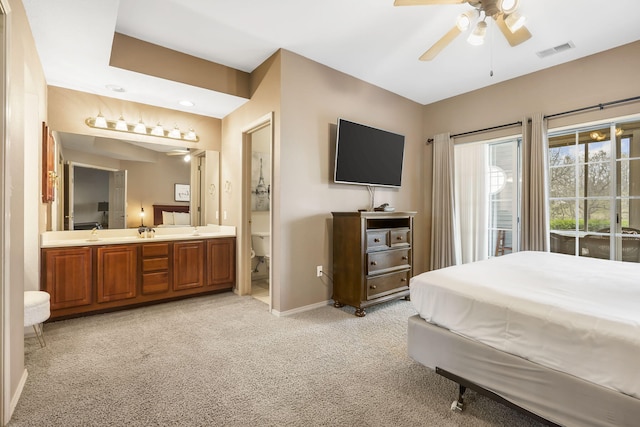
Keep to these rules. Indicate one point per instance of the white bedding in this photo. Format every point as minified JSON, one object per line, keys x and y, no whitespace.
{"x":574,"y":314}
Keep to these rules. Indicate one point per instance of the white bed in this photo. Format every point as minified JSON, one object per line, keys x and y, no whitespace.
{"x":538,"y":329}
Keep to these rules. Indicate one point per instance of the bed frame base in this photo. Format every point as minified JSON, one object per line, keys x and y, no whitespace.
{"x":463,"y":384}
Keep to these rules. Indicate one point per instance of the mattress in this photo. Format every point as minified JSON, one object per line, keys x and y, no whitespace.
{"x":572,"y":314}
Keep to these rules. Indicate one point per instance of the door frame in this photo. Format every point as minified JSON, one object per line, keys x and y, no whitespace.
{"x":244,"y":276}
{"x":5,"y":392}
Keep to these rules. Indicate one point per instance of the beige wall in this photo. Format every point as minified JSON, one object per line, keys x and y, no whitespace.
{"x":607,"y":76}
{"x":265,"y":100}
{"x":313,"y":97}
{"x":26,"y":92}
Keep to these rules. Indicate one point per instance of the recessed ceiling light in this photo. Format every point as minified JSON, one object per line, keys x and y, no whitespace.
{"x":115,"y":88}
{"x":186,"y":103}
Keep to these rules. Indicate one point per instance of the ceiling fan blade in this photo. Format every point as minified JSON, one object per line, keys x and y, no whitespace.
{"x":440,"y":44}
{"x":514,"y":39}
{"x":177,"y":152}
{"x":426,"y":2}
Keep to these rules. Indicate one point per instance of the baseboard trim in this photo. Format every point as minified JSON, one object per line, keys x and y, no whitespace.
{"x":300,"y":309}
{"x":16,"y":396}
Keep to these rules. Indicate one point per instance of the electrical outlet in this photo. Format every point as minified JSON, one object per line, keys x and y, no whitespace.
{"x":319,"y":271}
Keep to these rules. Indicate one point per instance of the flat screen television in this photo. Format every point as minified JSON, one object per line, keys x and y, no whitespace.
{"x":368,"y":156}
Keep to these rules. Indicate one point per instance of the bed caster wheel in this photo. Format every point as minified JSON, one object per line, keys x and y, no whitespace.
{"x":457,"y":406}
{"x":338,"y":304}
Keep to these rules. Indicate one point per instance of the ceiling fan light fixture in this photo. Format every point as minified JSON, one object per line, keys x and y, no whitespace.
{"x":514,"y":21}
{"x":465,"y":19}
{"x":476,"y":38}
{"x":508,"y":6}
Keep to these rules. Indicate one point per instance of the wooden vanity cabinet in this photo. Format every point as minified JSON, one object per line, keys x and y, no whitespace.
{"x":188,"y":265}
{"x":221,"y":266}
{"x":372,"y":258}
{"x":67,"y":277}
{"x":99,"y":278}
{"x":116,"y":269}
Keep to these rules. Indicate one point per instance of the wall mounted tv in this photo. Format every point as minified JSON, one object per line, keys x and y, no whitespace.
{"x":368,"y":156}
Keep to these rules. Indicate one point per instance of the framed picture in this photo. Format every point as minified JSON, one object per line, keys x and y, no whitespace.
{"x":260,"y":185}
{"x":182,"y":192}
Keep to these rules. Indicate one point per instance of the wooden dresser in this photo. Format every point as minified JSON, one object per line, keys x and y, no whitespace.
{"x":372,"y":258}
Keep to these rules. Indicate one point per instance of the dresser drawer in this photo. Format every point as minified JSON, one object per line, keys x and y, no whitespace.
{"x":157,"y":249}
{"x":387,"y":283}
{"x":377,"y":240}
{"x":155,"y":264}
{"x":380,"y":261}
{"x":400,"y":237}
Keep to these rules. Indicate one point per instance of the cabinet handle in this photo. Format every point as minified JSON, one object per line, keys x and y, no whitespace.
{"x":376,"y":240}
{"x":372,"y":287}
{"x":405,"y":258}
{"x":403,"y":279}
{"x":399,"y":238}
{"x":374,"y":263}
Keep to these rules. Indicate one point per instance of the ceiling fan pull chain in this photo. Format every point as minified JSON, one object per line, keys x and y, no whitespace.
{"x":491,"y":24}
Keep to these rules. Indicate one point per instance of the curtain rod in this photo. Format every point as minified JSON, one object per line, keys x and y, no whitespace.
{"x":591,"y":107}
{"x":471,"y":132}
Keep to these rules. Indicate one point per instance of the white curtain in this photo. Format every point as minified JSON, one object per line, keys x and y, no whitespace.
{"x":444,"y":252}
{"x":535,"y":173}
{"x":472,"y":200}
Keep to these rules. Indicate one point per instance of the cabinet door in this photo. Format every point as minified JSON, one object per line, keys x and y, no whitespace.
{"x":188,"y":265}
{"x":221,"y":263}
{"x":116,"y":272}
{"x":67,"y":276}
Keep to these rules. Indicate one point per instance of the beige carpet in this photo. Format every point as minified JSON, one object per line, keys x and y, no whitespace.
{"x":223,"y":360}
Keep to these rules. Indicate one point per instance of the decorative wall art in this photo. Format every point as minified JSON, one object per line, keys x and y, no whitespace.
{"x":182,"y":193}
{"x":260,"y":185}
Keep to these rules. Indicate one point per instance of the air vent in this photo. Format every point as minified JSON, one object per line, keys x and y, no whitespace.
{"x":556,"y":49}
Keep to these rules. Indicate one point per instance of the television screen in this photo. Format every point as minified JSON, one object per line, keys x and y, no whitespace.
{"x":368,"y":156}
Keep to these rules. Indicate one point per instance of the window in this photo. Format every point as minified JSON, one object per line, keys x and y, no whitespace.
{"x":486,"y":191}
{"x":594,"y":194}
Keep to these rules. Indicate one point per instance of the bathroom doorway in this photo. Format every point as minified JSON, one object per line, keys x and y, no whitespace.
{"x":258,"y":192}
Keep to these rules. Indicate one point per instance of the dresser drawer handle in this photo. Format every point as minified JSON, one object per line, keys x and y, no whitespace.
{"x":403,"y":279}
{"x":405,"y":258}
{"x":372,"y":287}
{"x":399,"y":238}
{"x":374,"y":263}
{"x":376,"y":240}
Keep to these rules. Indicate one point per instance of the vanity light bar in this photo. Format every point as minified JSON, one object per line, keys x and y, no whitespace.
{"x":140,"y":128}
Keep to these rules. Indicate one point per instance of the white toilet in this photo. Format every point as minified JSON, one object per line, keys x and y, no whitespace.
{"x":260,"y":245}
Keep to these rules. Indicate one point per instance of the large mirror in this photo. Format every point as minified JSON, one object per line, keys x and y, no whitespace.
{"x":114,"y":183}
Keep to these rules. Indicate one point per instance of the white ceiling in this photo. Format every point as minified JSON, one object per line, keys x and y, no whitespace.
{"x":368,"y":39}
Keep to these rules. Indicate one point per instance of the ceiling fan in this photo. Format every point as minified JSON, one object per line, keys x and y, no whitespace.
{"x":186,"y":153}
{"x":504,"y":12}
{"x":178,"y":152}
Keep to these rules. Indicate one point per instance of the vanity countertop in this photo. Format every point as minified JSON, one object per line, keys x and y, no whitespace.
{"x":55,"y":239}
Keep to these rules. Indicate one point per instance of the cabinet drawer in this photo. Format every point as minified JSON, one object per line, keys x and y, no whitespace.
{"x":380,"y":261}
{"x":155,"y":264}
{"x":388,"y":283}
{"x":153,"y":283}
{"x":159,"y":249}
{"x":377,"y":240}
{"x":400,"y":237}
